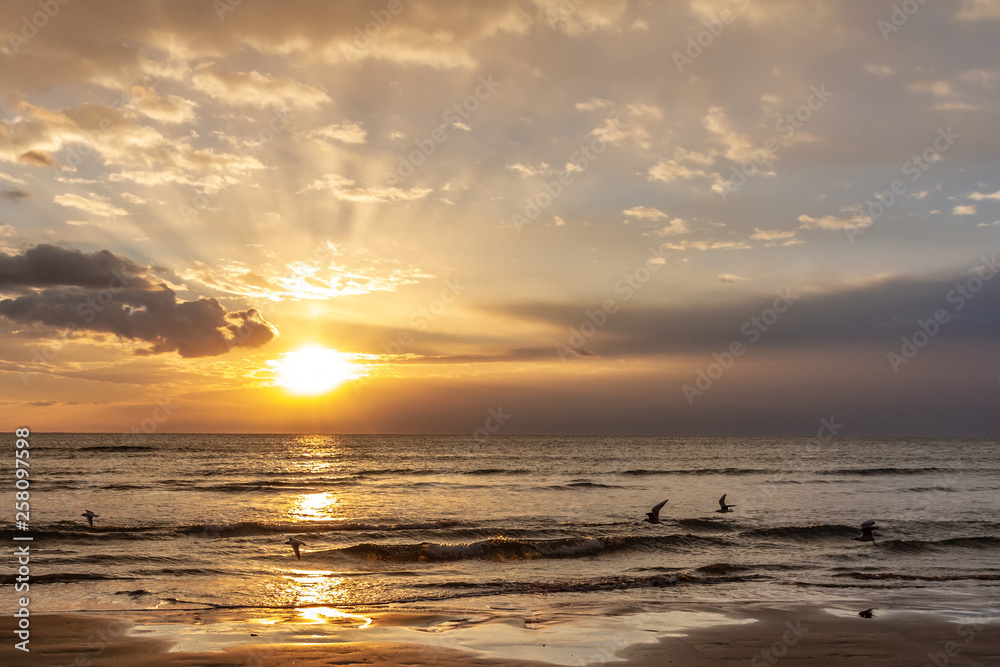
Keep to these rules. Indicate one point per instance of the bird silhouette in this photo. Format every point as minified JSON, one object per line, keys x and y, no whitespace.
{"x":295,"y":546}
{"x":653,"y":515}
{"x":866,"y":532}
{"x":867,"y":613}
{"x":90,"y":517}
{"x":723,"y":507}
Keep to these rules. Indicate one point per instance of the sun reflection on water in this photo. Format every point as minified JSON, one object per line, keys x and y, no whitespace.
{"x":315,"y":506}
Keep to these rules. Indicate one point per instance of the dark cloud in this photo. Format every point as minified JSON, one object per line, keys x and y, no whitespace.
{"x":105,"y":293}
{"x":14,"y":195}
{"x":876,"y":314}
{"x":38,"y":159}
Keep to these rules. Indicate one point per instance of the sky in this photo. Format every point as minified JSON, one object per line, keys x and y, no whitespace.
{"x":731,"y":217}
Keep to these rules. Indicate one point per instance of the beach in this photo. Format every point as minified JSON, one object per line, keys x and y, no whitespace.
{"x":516,"y":550}
{"x":760,"y":634}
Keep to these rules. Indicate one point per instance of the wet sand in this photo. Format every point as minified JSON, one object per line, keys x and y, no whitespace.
{"x":692,"y":636}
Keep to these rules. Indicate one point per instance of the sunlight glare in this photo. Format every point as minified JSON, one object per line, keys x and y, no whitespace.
{"x":313,"y":370}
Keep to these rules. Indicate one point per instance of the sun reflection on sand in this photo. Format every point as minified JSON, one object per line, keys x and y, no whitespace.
{"x":327,"y":614}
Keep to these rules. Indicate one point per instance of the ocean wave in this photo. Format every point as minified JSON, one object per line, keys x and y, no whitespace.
{"x":699,"y":471}
{"x":505,"y":548}
{"x":70,"y":531}
{"x":886,"y":471}
{"x":917,"y":546}
{"x":891,"y":576}
{"x":706,"y":524}
{"x":65,"y":577}
{"x":277,"y":485}
{"x":114,"y":448}
{"x":576,"y":486}
{"x":803,"y":533}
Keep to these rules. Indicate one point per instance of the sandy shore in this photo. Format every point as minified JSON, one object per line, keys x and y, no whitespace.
{"x":692,"y":636}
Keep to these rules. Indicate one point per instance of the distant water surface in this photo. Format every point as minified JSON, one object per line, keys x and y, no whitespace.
{"x":506,"y":523}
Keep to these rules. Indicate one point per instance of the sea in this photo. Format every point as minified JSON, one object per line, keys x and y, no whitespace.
{"x":523,"y":526}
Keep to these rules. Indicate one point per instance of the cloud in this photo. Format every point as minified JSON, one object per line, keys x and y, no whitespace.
{"x":989,"y":224}
{"x":772,"y":234}
{"x":97,"y":205}
{"x":38,"y":159}
{"x":875,"y":313}
{"x":105,"y":293}
{"x":166,"y":109}
{"x":527,"y":171}
{"x":343,"y":189}
{"x":15,"y":195}
{"x":834,"y":222}
{"x":645,"y":213}
{"x":675,"y":226}
{"x":256,"y":89}
{"x":594,"y":103}
{"x":706,"y":245}
{"x":579,"y":18}
{"x":979,"y":196}
{"x":979,"y":10}
{"x":345,"y":132}
{"x":964,"y":210}
{"x":988,"y":79}
{"x":936,"y":87}
{"x":729,"y":278}
{"x":879,"y":70}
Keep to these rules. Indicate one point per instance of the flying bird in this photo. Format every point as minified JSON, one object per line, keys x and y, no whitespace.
{"x":867,"y":613}
{"x":653,"y":515}
{"x":723,"y":507}
{"x":90,"y":517}
{"x":295,"y":546}
{"x":866,"y":532}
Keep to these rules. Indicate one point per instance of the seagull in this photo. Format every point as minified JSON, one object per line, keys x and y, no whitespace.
{"x":295,"y":546}
{"x":723,"y":507}
{"x":866,"y":532}
{"x":90,"y":517}
{"x":867,"y":613}
{"x":653,"y":515}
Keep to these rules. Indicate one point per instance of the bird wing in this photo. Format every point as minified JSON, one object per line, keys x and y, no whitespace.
{"x":722,"y":501}
{"x":867,"y":524}
{"x":656,"y":509}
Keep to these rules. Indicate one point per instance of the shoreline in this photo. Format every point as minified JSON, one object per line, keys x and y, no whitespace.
{"x":691,"y":634}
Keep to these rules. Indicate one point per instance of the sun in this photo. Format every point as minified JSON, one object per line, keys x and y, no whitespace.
{"x":313,"y":370}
